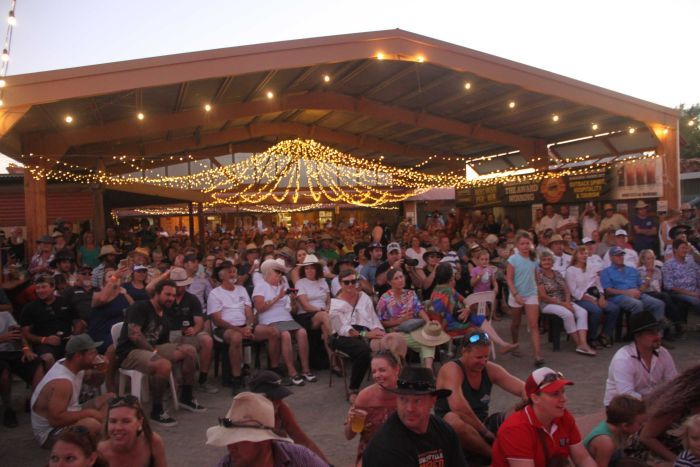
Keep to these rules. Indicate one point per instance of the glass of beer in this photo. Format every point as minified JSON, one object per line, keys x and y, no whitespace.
{"x":358,"y":420}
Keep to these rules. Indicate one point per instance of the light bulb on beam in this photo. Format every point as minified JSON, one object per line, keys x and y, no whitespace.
{"x":511,"y":104}
{"x":69,"y":119}
{"x":555,"y":118}
{"x":326,"y":79}
{"x":207,"y":108}
{"x":594,"y":127}
{"x":467,"y":85}
{"x":140,"y":116}
{"x":270,"y":94}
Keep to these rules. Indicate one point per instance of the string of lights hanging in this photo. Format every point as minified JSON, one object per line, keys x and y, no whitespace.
{"x":5,"y":57}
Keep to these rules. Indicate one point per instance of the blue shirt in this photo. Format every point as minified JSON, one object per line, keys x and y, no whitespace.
{"x":524,"y":274}
{"x":621,"y":278}
{"x":681,"y":275}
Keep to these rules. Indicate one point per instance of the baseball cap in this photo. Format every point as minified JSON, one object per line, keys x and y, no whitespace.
{"x":80,"y":343}
{"x":374,"y":245}
{"x":545,"y":380}
{"x":616,"y":251}
{"x":620,"y":232}
{"x":393,"y":246}
{"x":140,"y":267}
{"x":586,"y":240}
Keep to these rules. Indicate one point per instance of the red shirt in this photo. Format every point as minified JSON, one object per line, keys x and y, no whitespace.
{"x":518,"y":438}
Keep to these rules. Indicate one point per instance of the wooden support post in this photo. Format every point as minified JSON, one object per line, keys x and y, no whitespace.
{"x":202,"y":223}
{"x":35,"y":214}
{"x":669,"y":150}
{"x":191,"y":219}
{"x":98,"y":215}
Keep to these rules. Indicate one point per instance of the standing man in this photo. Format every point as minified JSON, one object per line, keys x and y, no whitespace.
{"x":470,"y":379}
{"x":622,"y":283}
{"x":645,"y":228}
{"x":642,"y":365}
{"x":550,"y":220}
{"x":567,"y":223}
{"x":412,"y":436}
{"x":143,"y":345}
{"x":612,"y":220}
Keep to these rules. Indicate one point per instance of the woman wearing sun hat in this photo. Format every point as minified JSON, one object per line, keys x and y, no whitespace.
{"x":543,"y":433}
{"x":248,"y":432}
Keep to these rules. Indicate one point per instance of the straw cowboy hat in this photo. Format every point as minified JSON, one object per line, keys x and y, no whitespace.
{"x":179,"y":275}
{"x":431,"y":334}
{"x":641,"y":205}
{"x":142,"y":251}
{"x":108,"y":250}
{"x":251,"y":418}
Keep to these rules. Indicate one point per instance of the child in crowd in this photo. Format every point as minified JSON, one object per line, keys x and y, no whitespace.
{"x":483,"y":276}
{"x":624,"y":417}
{"x":689,"y":433}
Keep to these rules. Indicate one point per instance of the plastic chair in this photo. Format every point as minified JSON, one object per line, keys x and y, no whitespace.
{"x":483,"y":301}
{"x":136,"y":378}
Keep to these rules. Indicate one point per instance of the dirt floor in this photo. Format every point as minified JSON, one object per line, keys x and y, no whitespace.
{"x":321,"y":410}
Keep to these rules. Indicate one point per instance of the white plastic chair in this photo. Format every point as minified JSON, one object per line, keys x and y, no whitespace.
{"x":139,"y":389}
{"x":483,"y":300}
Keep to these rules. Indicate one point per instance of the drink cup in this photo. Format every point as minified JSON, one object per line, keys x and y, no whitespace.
{"x":99,"y":363}
{"x":358,"y":421}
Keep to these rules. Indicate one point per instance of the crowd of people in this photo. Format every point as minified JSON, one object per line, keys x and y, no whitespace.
{"x":413,"y":306}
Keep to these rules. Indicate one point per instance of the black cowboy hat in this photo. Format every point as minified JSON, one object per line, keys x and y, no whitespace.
{"x":415,"y":381}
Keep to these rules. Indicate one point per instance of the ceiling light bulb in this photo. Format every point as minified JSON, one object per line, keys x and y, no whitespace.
{"x":420,"y":59}
{"x":3,"y":83}
{"x":5,"y":55}
{"x":1,"y":102}
{"x":11,"y":20}
{"x":270,"y":94}
{"x":555,"y":118}
{"x":69,"y":119}
{"x":594,"y":126}
{"x":207,"y":107}
{"x":140,"y":116}
{"x":511,"y":104}
{"x":326,"y":78}
{"x":631,"y":131}
{"x":380,"y":56}
{"x":467,"y":85}
{"x":665,"y":131}
{"x":691,"y":122}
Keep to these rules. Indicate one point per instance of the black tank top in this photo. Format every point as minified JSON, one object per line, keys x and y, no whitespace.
{"x":478,"y":399}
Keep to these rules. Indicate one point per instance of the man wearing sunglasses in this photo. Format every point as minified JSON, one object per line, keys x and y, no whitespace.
{"x":543,"y":433}
{"x":470,"y":378}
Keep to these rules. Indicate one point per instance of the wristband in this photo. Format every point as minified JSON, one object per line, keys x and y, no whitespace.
{"x":363,"y":333}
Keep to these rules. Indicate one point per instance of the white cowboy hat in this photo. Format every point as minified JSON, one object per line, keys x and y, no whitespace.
{"x":251,"y":418}
{"x":309,"y":260}
{"x":272,"y":265}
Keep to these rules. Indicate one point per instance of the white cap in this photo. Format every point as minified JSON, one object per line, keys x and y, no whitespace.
{"x":393,"y":246}
{"x":586,"y":240}
{"x":620,"y":232}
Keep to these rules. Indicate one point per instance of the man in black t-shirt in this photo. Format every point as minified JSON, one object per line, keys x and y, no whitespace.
{"x":186,"y":322}
{"x":47,"y":323}
{"x":143,"y":345}
{"x":79,"y":296}
{"x":412,"y":436}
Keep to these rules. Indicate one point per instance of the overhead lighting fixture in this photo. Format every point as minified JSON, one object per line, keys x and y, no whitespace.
{"x":632,"y":131}
{"x":69,"y":119}
{"x":5,"y":55}
{"x":3,"y":83}
{"x":420,"y":59}
{"x":207,"y":107}
{"x":665,"y":131}
{"x":380,"y":56}
{"x":140,"y":116}
{"x":691,"y":122}
{"x":555,"y":118}
{"x":326,"y":79}
{"x":511,"y":104}
{"x":594,"y":127}
{"x":11,"y":20}
{"x":467,"y":85}
{"x":270,"y":94}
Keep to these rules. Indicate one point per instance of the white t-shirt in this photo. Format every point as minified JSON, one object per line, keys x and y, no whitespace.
{"x":550,"y":222}
{"x":411,"y":253}
{"x":316,"y":292}
{"x":280,"y":311}
{"x":231,"y":304}
{"x":589,"y":224}
{"x":561,"y":263}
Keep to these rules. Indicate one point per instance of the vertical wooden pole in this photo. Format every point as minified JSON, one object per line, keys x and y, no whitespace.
{"x":98,"y":210}
{"x":190,"y":208}
{"x":202,"y":223}
{"x":669,"y":150}
{"x":35,"y":214}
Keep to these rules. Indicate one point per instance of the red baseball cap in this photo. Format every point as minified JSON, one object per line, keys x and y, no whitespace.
{"x":545,"y":380}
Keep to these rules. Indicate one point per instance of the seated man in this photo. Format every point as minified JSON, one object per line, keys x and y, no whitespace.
{"x":411,"y":436}
{"x":470,"y":379}
{"x":631,"y":257}
{"x":16,"y":357}
{"x":622,"y":283}
{"x":681,"y":277}
{"x":79,"y":296}
{"x":47,"y":322}
{"x":144,"y":346}
{"x":186,"y":323}
{"x":54,"y":403}
{"x":231,"y":314}
{"x":642,"y":365}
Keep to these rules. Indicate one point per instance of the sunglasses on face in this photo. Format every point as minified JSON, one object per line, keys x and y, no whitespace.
{"x":350,"y":282}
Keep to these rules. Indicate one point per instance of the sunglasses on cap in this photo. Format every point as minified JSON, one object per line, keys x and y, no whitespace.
{"x":228,"y":423}
{"x":479,"y":337}
{"x":550,"y":378}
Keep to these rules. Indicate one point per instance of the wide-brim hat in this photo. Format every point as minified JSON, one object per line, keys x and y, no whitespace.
{"x":251,"y":418}
{"x":272,"y":265}
{"x":418,"y":381}
{"x":678,"y":230}
{"x":267,"y":243}
{"x":251,"y":247}
{"x":608,"y":206}
{"x":641,"y":205}
{"x":46,"y":239}
{"x":142,"y":251}
{"x":63,"y":255}
{"x":556,"y":238}
{"x":431,"y":334}
{"x":269,"y":383}
{"x":432,"y":251}
{"x":310,"y":260}
{"x":180,"y":277}
{"x":643,"y":321}
{"x":108,"y":250}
